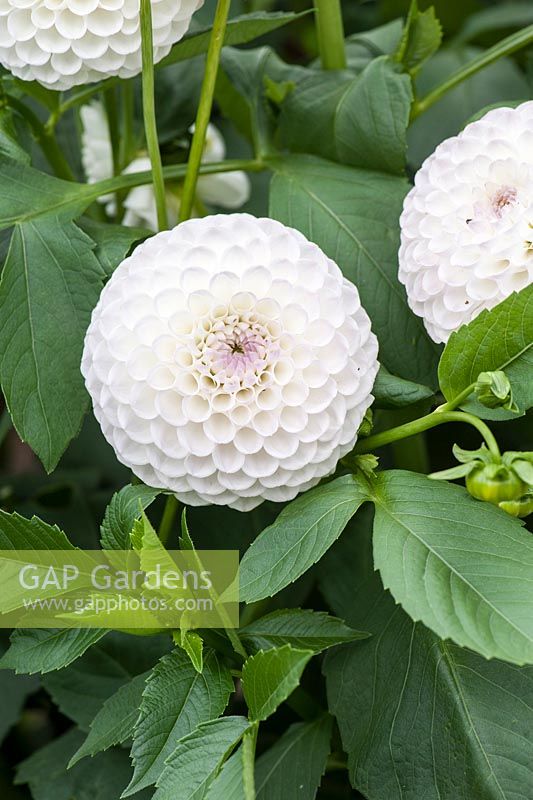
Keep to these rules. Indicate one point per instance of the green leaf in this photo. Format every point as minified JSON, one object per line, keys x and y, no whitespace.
{"x":499,"y":339}
{"x":299,"y":537}
{"x":239,"y":30}
{"x":14,"y":690}
{"x":294,"y":766}
{"x":353,"y":216}
{"x":229,"y":783}
{"x":10,"y":146}
{"x":101,"y":778}
{"x":50,"y":284}
{"x":81,"y":689}
{"x":422,"y":36}
{"x":270,"y":676}
{"x":113,"y":242}
{"x":496,"y":18}
{"x":303,"y":628}
{"x":115,"y":721}
{"x":176,"y":700}
{"x":34,"y":650}
{"x":462,"y":567}
{"x":360,"y":121}
{"x":193,"y":644}
{"x":198,"y":758}
{"x":393,"y":392}
{"x":121,"y":514}
{"x":19,"y":533}
{"x":501,"y":82}
{"x":420,"y":718}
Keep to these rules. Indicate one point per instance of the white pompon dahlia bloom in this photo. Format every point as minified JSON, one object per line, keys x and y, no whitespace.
{"x":229,"y":361}
{"x":467,"y":224}
{"x":229,"y":190}
{"x":64,"y":43}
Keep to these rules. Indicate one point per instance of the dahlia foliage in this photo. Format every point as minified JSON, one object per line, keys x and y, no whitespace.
{"x":266,"y":336}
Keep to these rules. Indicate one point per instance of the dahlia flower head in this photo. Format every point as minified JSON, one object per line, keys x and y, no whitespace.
{"x":64,"y":43}
{"x":229,"y":190}
{"x":467,"y":224}
{"x":229,"y":361}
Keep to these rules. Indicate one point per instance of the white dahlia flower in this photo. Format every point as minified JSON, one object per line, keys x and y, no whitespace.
{"x":467,"y":224}
{"x":229,"y":361}
{"x":228,"y":190}
{"x":64,"y":43}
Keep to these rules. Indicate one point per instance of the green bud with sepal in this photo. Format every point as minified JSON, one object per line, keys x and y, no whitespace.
{"x":505,"y":481}
{"x":493,"y":390}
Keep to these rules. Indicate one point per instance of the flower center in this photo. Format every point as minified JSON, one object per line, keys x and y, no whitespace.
{"x":504,"y":197}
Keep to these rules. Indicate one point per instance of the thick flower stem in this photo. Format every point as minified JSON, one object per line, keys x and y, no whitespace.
{"x":504,"y":48}
{"x":150,"y":127}
{"x":432,"y":420}
{"x":204,"y":108}
{"x":249,"y":744}
{"x":330,"y":33}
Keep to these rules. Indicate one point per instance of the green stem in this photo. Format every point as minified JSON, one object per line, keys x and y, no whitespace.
{"x":110,"y":103}
{"x":167,"y":520}
{"x":127,"y":140}
{"x":330,"y":32}
{"x":249,"y":744}
{"x":150,"y":127}
{"x":451,"y":405}
{"x":437,"y":417}
{"x":47,"y":142}
{"x":204,"y":109}
{"x":504,"y":48}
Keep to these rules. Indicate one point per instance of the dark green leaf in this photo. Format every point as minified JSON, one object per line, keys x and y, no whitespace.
{"x":34,"y":650}
{"x":500,"y":339}
{"x":121,"y":513}
{"x":19,"y":533}
{"x":353,"y":216}
{"x":299,"y":537}
{"x":113,"y":242}
{"x":462,"y":567}
{"x":393,"y":392}
{"x":115,"y":721}
{"x":294,"y":766}
{"x":50,"y":284}
{"x":176,"y":700}
{"x":303,"y":628}
{"x":198,"y":758}
{"x":496,"y":18}
{"x":420,"y":718}
{"x":14,"y":690}
{"x":269,"y":677}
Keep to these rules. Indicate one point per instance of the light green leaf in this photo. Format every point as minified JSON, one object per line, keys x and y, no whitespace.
{"x":353,"y":216}
{"x":50,"y":284}
{"x":270,"y":676}
{"x":499,"y":339}
{"x":421,"y":38}
{"x":198,"y":758}
{"x":294,"y":766}
{"x":176,"y":700}
{"x":121,"y":513}
{"x":115,"y":721}
{"x":420,"y":718}
{"x":299,"y":537}
{"x":303,"y":628}
{"x":193,"y":644}
{"x":393,"y":392}
{"x":462,"y":567}
{"x":34,"y":650}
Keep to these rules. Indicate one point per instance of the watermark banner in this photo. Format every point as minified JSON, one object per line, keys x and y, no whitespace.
{"x":119,"y":589}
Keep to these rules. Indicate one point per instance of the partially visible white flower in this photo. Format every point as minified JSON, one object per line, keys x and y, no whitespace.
{"x":467,"y":224}
{"x":228,"y":190}
{"x":64,"y":43}
{"x":229,"y":361}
